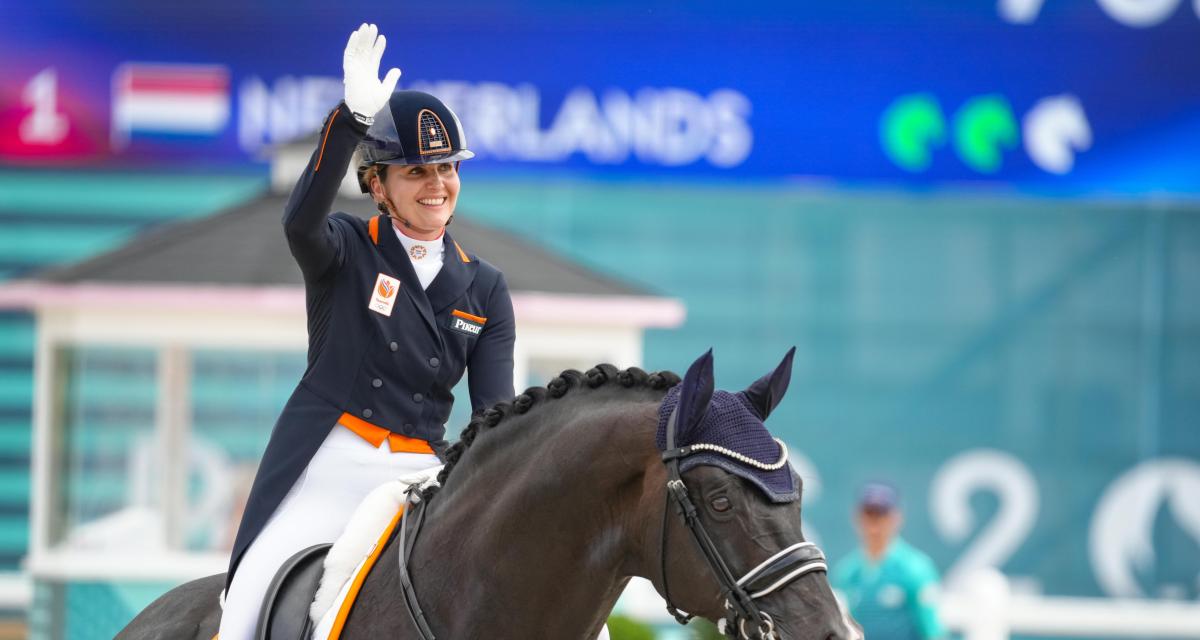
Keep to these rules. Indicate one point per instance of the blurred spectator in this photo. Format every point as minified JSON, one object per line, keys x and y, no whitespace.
{"x":889,"y":586}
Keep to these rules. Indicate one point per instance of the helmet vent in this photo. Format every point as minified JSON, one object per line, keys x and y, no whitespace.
{"x":432,"y":133}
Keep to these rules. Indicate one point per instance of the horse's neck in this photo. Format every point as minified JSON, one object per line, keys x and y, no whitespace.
{"x":544,"y":531}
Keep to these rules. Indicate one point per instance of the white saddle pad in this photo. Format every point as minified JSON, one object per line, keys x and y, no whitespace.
{"x":357,"y":542}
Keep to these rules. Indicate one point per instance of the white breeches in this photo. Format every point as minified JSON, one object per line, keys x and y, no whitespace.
{"x":344,"y":470}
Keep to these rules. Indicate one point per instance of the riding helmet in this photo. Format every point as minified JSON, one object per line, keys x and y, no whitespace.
{"x":412,"y":128}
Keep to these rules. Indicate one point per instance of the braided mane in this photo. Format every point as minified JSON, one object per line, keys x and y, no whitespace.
{"x":597,"y":376}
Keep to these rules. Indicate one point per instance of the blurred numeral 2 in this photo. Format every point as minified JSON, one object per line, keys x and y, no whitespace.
{"x":983,"y":470}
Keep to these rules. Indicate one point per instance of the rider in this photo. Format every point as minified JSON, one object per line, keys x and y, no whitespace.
{"x":396,"y":311}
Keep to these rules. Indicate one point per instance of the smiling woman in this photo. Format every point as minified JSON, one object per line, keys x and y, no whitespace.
{"x":386,"y":298}
{"x":422,"y":138}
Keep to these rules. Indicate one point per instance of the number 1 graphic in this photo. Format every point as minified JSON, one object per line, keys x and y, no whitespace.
{"x":43,"y":126}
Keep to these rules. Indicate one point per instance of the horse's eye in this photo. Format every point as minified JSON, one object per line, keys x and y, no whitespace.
{"x":721,"y":504}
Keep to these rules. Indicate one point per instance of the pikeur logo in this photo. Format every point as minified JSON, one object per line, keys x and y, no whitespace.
{"x":465,"y":326}
{"x":466,"y":323}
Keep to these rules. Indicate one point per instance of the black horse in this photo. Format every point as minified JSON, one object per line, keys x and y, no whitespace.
{"x":550,"y":503}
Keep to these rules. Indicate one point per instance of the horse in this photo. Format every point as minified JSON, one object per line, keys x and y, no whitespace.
{"x":550,"y":503}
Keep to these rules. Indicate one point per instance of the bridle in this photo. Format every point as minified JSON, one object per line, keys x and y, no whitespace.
{"x":739,"y":593}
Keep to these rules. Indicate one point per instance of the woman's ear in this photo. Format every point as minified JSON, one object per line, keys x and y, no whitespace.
{"x":376,"y":186}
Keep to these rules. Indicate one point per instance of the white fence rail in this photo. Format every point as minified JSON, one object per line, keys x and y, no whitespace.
{"x":985,"y":608}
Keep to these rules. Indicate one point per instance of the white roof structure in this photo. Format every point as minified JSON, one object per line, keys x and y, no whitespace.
{"x":228,"y":282}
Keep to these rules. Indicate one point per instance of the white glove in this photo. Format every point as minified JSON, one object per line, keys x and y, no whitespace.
{"x":365,"y":94}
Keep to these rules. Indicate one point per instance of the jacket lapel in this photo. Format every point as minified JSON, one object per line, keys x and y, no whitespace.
{"x":458,"y":272}
{"x":395,"y":255}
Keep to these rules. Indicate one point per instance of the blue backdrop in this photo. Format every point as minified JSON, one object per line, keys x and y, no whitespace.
{"x":1051,"y":96}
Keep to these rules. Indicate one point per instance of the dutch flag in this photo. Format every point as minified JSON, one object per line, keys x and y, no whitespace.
{"x":171,"y":99}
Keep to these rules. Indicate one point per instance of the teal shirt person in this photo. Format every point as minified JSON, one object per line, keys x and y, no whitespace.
{"x":888,"y":586}
{"x":893,"y":599}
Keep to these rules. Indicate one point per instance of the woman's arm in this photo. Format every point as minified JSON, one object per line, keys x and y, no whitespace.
{"x":490,"y":367}
{"x":314,"y":241}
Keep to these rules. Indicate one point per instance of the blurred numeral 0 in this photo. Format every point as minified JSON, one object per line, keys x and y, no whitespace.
{"x":1131,"y":13}
{"x":995,"y":472}
{"x":44,"y":126}
{"x":1020,"y":11}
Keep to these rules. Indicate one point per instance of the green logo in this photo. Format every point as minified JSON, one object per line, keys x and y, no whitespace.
{"x":911,"y":126}
{"x":983,"y":128}
{"x":914,"y":125}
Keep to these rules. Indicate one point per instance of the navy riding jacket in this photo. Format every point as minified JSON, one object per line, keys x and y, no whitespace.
{"x":393,"y":370}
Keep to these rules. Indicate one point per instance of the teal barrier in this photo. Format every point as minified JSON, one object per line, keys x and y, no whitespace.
{"x":1024,"y":370}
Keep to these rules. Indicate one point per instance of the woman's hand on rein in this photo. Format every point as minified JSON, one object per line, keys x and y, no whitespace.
{"x":365,"y":94}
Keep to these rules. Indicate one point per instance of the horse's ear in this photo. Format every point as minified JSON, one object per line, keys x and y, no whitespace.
{"x":767,"y":391}
{"x":696,"y":390}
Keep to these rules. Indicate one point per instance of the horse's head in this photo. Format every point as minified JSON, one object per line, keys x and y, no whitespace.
{"x":733,"y":551}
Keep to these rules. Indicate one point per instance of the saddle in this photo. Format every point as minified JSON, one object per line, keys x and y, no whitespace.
{"x":284,"y":614}
{"x":297,"y":596}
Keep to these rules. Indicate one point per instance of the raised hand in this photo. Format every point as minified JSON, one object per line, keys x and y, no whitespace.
{"x":365,"y":93}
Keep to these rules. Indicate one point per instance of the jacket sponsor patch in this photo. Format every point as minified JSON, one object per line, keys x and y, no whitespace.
{"x":466,"y":323}
{"x":383,"y":295}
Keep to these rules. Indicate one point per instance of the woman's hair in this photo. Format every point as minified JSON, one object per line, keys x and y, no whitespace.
{"x":373,"y":171}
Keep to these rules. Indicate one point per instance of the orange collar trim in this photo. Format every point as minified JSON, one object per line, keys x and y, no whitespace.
{"x":462,"y":255}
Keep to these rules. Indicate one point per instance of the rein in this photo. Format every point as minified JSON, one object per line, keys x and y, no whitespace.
{"x":739,"y":593}
{"x":412,"y":501}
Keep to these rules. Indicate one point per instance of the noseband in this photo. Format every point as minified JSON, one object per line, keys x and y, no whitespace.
{"x":743,"y":619}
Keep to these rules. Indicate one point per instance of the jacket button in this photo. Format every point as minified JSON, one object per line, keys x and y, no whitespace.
{"x":408,"y":427}
{"x":394,"y":346}
{"x":433,"y":362}
{"x":377,"y":383}
{"x":418,"y":397}
{"x":367,"y":413}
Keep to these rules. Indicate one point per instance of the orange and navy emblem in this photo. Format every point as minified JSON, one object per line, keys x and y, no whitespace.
{"x":383,"y":294}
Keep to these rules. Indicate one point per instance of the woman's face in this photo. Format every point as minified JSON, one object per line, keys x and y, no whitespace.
{"x":422,"y":194}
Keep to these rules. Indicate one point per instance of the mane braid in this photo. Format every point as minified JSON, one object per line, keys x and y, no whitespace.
{"x":597,"y":376}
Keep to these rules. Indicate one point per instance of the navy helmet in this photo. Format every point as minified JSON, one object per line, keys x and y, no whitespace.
{"x":412,"y":128}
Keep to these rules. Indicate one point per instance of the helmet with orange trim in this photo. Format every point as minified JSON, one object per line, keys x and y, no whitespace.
{"x":412,"y":128}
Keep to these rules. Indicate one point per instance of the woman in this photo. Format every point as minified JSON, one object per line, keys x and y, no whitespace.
{"x":396,"y":311}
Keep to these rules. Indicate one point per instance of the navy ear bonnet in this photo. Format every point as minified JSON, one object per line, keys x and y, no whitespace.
{"x":732,"y":424}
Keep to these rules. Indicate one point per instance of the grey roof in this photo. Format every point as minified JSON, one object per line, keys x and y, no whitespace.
{"x":245,"y":246}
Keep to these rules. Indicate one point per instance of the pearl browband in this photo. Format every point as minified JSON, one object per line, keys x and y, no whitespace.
{"x":683,"y":452}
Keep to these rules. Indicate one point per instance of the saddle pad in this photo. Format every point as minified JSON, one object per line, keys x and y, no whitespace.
{"x":360,"y":538}
{"x":330,"y":625}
